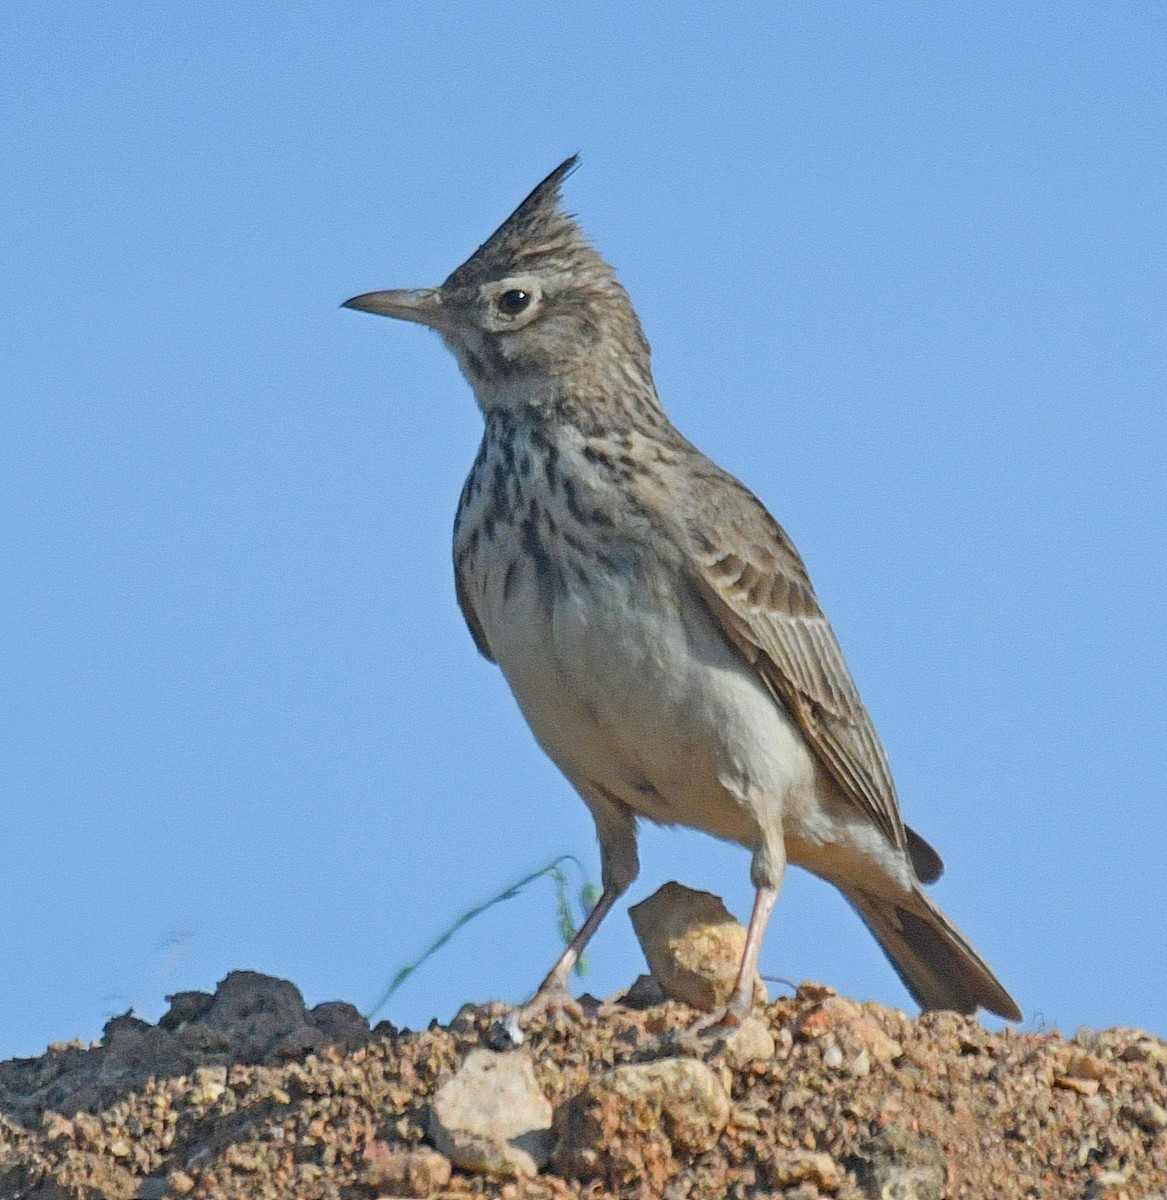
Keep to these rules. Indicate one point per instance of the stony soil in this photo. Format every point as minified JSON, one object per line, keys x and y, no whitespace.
{"x":247,"y":1094}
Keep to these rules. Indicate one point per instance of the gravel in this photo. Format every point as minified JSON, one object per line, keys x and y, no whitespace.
{"x":247,"y":1093}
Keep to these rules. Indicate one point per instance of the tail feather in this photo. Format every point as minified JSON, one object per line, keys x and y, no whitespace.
{"x":927,"y":864}
{"x":931,"y":956}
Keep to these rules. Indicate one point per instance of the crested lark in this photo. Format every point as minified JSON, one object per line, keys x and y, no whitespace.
{"x":656,"y":625}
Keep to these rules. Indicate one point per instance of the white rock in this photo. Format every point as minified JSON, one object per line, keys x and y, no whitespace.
{"x":750,"y":1042}
{"x":491,"y":1116}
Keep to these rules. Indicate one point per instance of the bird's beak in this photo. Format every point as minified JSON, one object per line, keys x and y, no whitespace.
{"x":423,"y":305}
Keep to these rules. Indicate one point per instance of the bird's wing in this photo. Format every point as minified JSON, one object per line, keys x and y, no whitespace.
{"x":755,"y":585}
{"x":470,"y":616}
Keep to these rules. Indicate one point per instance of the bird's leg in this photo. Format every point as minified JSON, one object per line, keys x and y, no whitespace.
{"x":742,"y":1001}
{"x":616,"y":831}
{"x":553,"y":994}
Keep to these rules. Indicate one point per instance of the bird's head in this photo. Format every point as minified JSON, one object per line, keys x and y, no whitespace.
{"x":533,"y":313}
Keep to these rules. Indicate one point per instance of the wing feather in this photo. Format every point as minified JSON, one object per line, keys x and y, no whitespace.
{"x":761,"y":595}
{"x":469,"y":615}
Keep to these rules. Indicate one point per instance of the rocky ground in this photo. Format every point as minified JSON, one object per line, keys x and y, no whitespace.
{"x":245,"y":1093}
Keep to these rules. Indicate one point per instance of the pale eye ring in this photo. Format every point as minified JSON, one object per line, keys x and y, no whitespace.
{"x":513,"y":301}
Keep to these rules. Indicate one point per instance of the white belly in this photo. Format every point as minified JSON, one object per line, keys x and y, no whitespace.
{"x":627,"y":692}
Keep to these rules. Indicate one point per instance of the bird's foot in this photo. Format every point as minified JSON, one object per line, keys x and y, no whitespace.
{"x":721,"y":1020}
{"x":550,"y":1000}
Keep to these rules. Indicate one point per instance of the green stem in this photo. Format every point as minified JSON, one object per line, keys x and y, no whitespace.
{"x":567,"y":927}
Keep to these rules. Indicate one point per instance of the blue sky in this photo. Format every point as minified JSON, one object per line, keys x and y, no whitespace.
{"x":902,"y":268}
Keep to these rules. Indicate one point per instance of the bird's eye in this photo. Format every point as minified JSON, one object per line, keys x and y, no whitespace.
{"x":513,"y":302}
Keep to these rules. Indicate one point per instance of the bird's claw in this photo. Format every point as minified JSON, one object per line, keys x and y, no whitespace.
{"x":720,"y":1021}
{"x":550,"y":1000}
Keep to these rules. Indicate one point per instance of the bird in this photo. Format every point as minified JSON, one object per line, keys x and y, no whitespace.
{"x":656,"y":625}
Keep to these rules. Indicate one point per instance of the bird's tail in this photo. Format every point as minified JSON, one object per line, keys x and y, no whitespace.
{"x":930,"y":954}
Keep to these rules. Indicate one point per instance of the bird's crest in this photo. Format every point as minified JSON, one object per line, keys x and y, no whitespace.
{"x":536,"y":231}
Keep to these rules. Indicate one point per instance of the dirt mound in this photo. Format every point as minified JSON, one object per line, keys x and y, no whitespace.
{"x":246,"y":1093}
